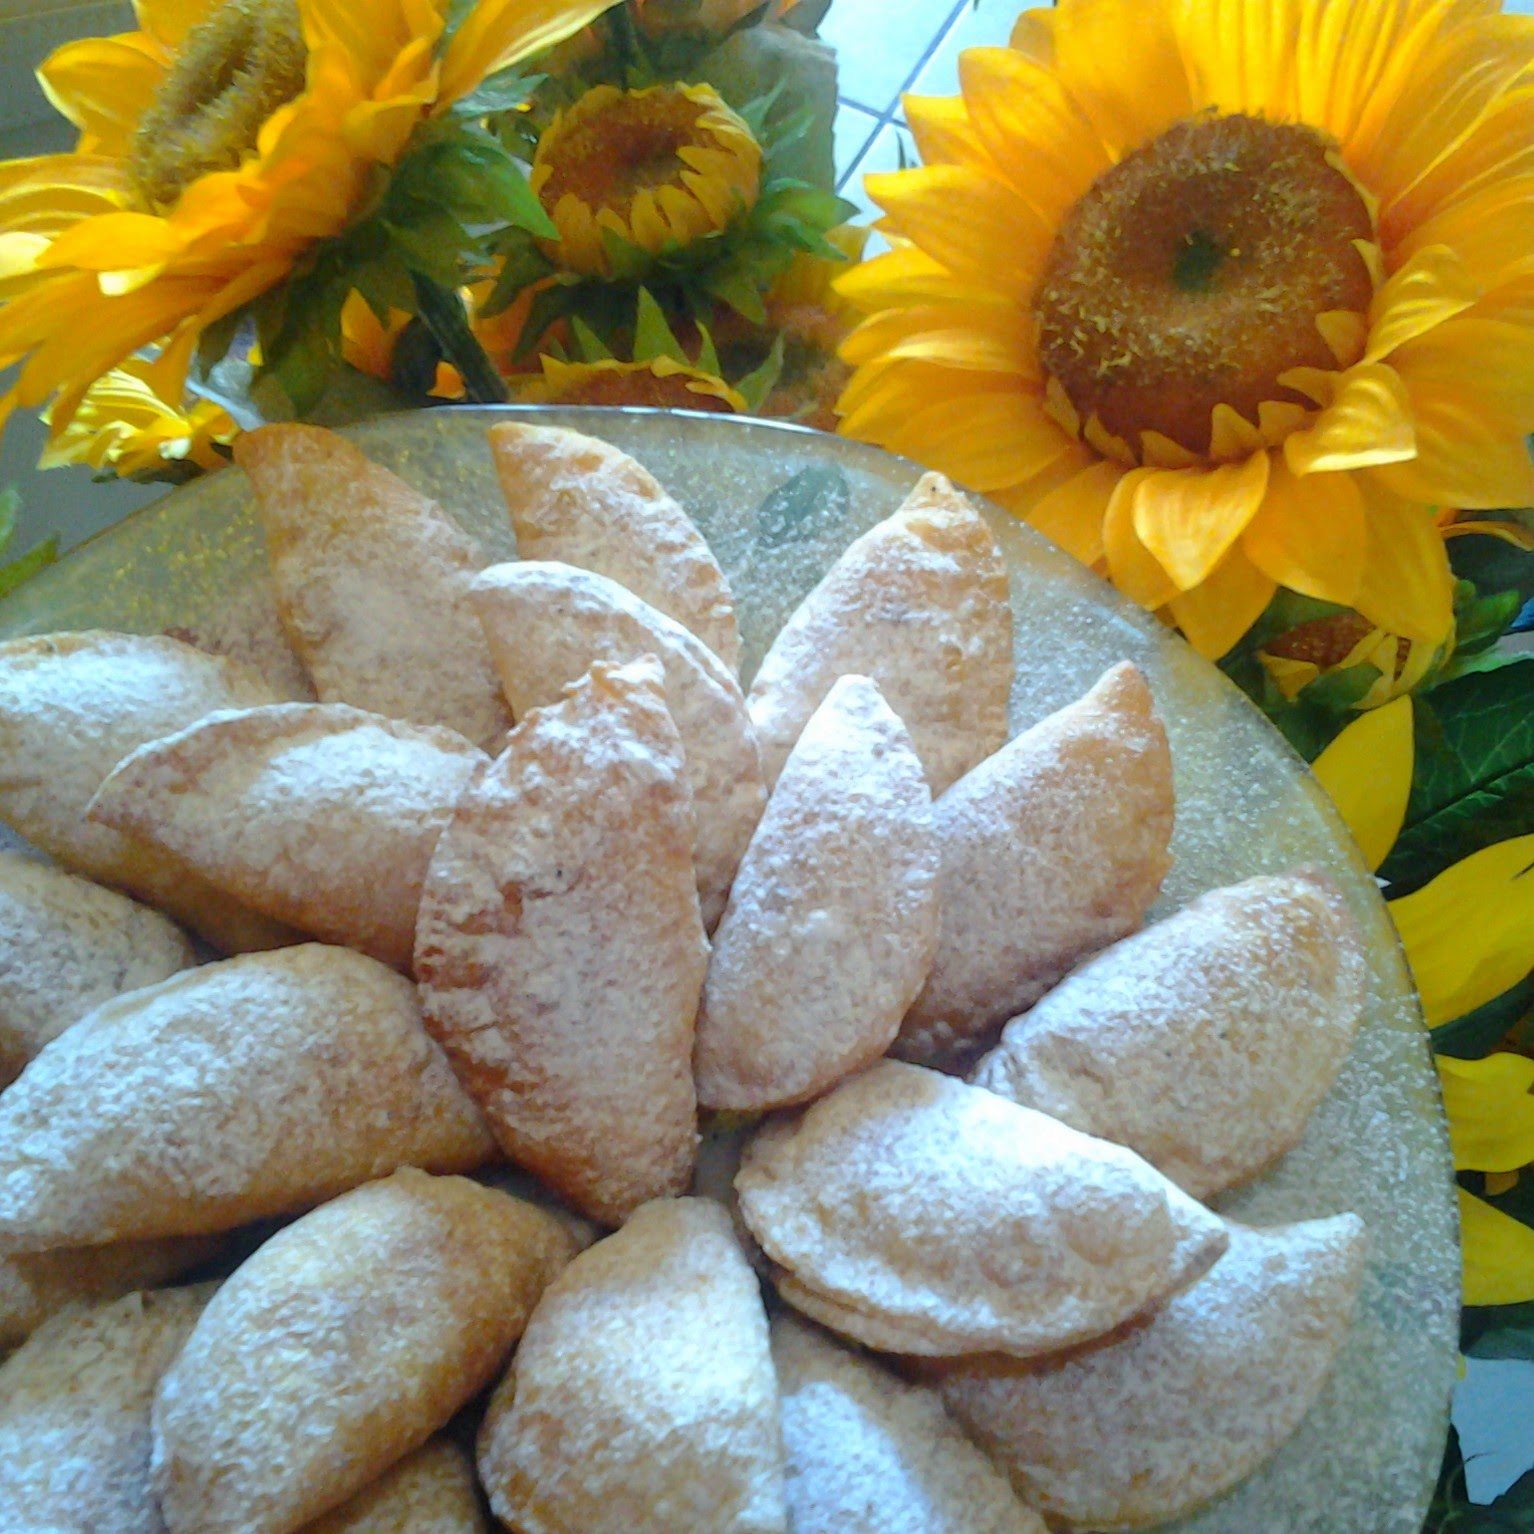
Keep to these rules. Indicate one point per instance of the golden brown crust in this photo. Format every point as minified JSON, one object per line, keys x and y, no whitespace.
{"x":579,"y":500}
{"x":253,"y":1087}
{"x":1052,"y":849}
{"x":841,"y":881}
{"x":429,"y":1492}
{"x":371,"y":582}
{"x":643,"y":1400}
{"x":560,"y":949}
{"x":343,"y":1344}
{"x":71,"y":707}
{"x":319,"y":814}
{"x":919,"y":604}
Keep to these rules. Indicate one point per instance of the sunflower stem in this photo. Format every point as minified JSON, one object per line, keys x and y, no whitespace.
{"x":442,"y":313}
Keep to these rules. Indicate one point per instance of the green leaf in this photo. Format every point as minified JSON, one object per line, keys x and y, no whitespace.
{"x":24,"y":568}
{"x":1500,"y":1331}
{"x":1491,"y":563}
{"x":803,"y":507}
{"x":10,"y":509}
{"x":740,"y":293}
{"x":1477,"y":1033}
{"x":592,"y":347}
{"x":1473,"y":782}
{"x":758,"y":384}
{"x":653,"y":336}
{"x":443,"y":313}
{"x":505,"y":91}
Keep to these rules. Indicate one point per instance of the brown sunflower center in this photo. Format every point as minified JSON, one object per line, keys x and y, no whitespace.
{"x":641,"y":387}
{"x":233,"y":71}
{"x":1191,"y":275}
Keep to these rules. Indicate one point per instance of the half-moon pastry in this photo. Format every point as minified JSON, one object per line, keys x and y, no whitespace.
{"x":319,"y":814}
{"x":1052,"y":849}
{"x":72,"y":706}
{"x":937,"y":1218}
{"x":869,"y":1454}
{"x":1154,"y":1425}
{"x":254,"y":1087}
{"x":431,"y":1491}
{"x":1204,"y":1042}
{"x":74,"y":1415}
{"x":919,"y":604}
{"x":833,"y":918}
{"x":581,"y":501}
{"x":371,"y":579}
{"x":560,"y":950}
{"x":546,"y":624}
{"x":642,"y":1399}
{"x":341,"y":1345}
{"x":70,"y":945}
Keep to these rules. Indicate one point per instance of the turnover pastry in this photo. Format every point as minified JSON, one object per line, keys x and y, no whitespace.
{"x":583,"y":502}
{"x":371,"y":579}
{"x":341,"y":1345}
{"x":919,"y":604}
{"x":254,"y":1087}
{"x":1204,"y":1042}
{"x":321,"y":815}
{"x":920,"y":1215}
{"x":1052,"y":849}
{"x":560,"y":948}
{"x":548,"y":622}
{"x":1151,"y":1427}
{"x":429,"y":1492}
{"x":642,"y":1399}
{"x":833,"y":918}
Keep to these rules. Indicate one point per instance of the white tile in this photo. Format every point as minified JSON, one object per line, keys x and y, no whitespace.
{"x":983,"y":24}
{"x":879,"y":44}
{"x":1494,"y":1413}
{"x":853,"y":129}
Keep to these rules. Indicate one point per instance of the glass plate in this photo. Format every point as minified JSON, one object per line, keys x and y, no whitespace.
{"x":778,"y":503}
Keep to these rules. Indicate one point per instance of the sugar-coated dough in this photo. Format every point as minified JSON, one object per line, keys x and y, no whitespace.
{"x":547,"y":622}
{"x":918,"y":603}
{"x":70,"y":945}
{"x":642,"y":1399}
{"x":319,"y":814}
{"x":833,"y":918}
{"x":341,"y":1345}
{"x":36,"y":1285}
{"x":1204,"y":1042}
{"x":1157,"y":1424}
{"x":869,"y":1454}
{"x":429,"y":1492}
{"x":74,"y":1415}
{"x":254,"y":1087}
{"x":371,"y":579}
{"x":1052,"y":849}
{"x":957,"y":1222}
{"x":560,"y":949}
{"x":579,"y":500}
{"x":71,"y":707}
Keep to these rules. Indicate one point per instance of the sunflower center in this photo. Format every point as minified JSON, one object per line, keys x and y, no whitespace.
{"x":1192,"y":275}
{"x":233,"y":71}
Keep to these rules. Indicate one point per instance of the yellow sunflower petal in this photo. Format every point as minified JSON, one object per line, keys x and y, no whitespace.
{"x":1430,"y":288}
{"x":1310,"y":534}
{"x":1241,"y":56}
{"x":1499,"y":1254}
{"x":1490,"y":229}
{"x":168,"y":21}
{"x":1508,"y":532}
{"x":1135,"y":571}
{"x":499,"y":33}
{"x":1407,"y":586}
{"x":1072,"y":514}
{"x":1368,"y":422}
{"x":1187,"y":519}
{"x":1491,"y":1111}
{"x":103,"y":85}
{"x":1216,"y":614}
{"x":942,"y":130}
{"x":115,"y":242}
{"x":992,"y":338}
{"x":899,"y":277}
{"x":1367,"y":771}
{"x":1467,"y":934}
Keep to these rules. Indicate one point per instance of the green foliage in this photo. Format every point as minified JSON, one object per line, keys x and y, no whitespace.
{"x":23,"y":568}
{"x":1479,"y":1032}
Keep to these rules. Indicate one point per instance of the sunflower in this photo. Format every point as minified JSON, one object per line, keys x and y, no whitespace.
{"x":654,"y":169}
{"x":660,"y":382}
{"x":218,"y":145}
{"x":1221,"y":295}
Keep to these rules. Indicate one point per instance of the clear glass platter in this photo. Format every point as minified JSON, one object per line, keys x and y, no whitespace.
{"x":778,"y":503}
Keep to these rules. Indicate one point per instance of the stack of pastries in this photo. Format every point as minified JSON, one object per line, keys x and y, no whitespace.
{"x":524,"y":895}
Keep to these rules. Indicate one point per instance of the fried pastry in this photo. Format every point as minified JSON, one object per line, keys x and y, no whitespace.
{"x":74,"y":1415}
{"x":919,"y":604}
{"x":71,"y":707}
{"x":1204,"y":1042}
{"x":841,"y":881}
{"x":1052,"y":849}
{"x":560,"y":950}
{"x":372,"y":582}
{"x":547,"y":622}
{"x":581,"y":501}
{"x":341,"y":1345}
{"x":936,"y":1218}
{"x":70,"y":945}
{"x":319,"y":814}
{"x":642,"y":1399}
{"x":428,"y":1492}
{"x":253,"y":1087}
{"x":869,"y":1454}
{"x":1158,"y":1423}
